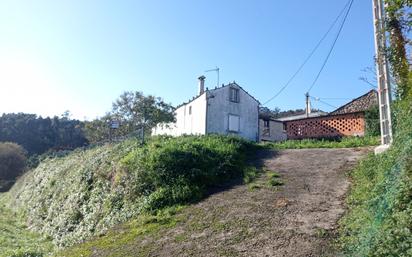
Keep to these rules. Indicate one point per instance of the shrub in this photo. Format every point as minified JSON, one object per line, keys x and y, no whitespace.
{"x":12,"y":161}
{"x":179,"y":170}
{"x":380,"y":218}
{"x":83,"y":193}
{"x":372,"y":126}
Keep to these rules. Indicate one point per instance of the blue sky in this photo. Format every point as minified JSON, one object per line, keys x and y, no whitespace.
{"x":80,"y":55}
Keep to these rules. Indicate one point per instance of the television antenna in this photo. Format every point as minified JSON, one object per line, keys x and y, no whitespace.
{"x":217,"y":70}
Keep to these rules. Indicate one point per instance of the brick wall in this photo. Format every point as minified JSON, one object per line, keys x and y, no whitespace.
{"x":350,"y":124}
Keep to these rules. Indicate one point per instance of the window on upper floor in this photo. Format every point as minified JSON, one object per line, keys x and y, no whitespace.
{"x":266,"y":123}
{"x":190,"y":110}
{"x":234,"y":95}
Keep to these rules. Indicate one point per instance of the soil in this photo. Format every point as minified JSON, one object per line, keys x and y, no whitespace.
{"x":298,"y":218}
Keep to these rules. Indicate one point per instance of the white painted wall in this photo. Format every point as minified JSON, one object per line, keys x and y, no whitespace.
{"x":220,"y":107}
{"x":210,"y":114}
{"x":186,"y":123}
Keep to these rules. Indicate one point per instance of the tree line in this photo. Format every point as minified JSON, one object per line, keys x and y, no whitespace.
{"x":38,"y":135}
{"x":135,"y":113}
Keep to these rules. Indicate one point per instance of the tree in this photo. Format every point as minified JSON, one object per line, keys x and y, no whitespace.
{"x":139,"y":112}
{"x":399,"y":23}
{"x":12,"y":160}
{"x":38,"y":135}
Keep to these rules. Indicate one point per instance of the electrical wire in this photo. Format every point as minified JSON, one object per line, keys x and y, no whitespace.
{"x":317,"y":99}
{"x":333,"y":46}
{"x":311,"y":53}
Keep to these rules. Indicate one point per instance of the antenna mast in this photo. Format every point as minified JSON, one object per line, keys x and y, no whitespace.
{"x":217,"y":70}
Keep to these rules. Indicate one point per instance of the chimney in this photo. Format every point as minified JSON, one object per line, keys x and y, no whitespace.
{"x":308,"y":107}
{"x":201,"y":84}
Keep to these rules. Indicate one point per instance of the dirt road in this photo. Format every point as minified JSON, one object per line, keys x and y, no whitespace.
{"x":297,"y":219}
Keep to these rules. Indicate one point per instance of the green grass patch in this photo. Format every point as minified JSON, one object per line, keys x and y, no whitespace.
{"x":250,"y":174}
{"x":16,"y":239}
{"x":118,"y":241}
{"x":274,"y":179}
{"x":345,"y":142}
{"x":84,"y":193}
{"x":254,"y":186}
{"x":379,"y":220}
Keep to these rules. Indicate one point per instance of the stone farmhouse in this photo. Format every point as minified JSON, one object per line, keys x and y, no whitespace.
{"x":227,"y":110}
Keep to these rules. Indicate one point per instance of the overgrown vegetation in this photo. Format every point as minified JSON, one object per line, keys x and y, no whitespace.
{"x":372,"y":126}
{"x":12,"y":160}
{"x":379,"y":222}
{"x":74,"y":197}
{"x":12,"y":163}
{"x":345,"y":142}
{"x":15,"y":238}
{"x":380,"y":203}
{"x":124,"y":235}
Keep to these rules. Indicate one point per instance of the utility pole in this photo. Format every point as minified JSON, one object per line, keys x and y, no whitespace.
{"x":382,"y":68}
{"x":308,"y":107}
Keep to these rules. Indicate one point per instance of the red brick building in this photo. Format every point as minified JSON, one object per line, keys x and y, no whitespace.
{"x":347,"y":120}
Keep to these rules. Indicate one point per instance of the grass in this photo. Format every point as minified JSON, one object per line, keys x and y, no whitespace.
{"x":87,"y":192}
{"x":16,"y":239}
{"x":119,"y":240}
{"x":379,"y":220}
{"x":274,"y":180}
{"x":251,"y":174}
{"x":346,"y":142}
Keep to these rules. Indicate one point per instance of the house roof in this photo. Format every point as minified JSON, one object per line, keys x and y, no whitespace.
{"x":321,"y":116}
{"x":303,"y":116}
{"x":360,"y":104}
{"x":215,"y":89}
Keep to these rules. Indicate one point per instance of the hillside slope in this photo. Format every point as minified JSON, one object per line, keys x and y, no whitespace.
{"x":74,"y":197}
{"x":379,"y":222}
{"x":298,"y":218}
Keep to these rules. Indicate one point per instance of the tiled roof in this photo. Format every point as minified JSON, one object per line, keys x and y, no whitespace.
{"x":359,"y":104}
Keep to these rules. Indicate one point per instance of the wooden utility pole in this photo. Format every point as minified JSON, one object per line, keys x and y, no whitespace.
{"x":382,"y":68}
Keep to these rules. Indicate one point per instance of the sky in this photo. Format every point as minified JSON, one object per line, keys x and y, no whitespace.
{"x":80,"y":55}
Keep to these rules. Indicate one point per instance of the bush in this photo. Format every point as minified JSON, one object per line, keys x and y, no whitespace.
{"x":82,"y":194}
{"x":12,"y":161}
{"x":372,"y":126}
{"x":179,"y":170}
{"x":379,"y":222}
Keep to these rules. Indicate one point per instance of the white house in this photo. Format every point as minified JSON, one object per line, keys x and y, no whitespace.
{"x":225,"y":110}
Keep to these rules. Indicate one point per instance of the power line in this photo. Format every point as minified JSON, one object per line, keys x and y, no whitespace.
{"x":333,"y":46}
{"x":318,"y":99}
{"x":335,"y":98}
{"x":311,"y":53}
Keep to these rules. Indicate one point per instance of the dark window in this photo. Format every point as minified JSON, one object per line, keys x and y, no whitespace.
{"x":234,"y":95}
{"x":190,"y":110}
{"x":266,"y":123}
